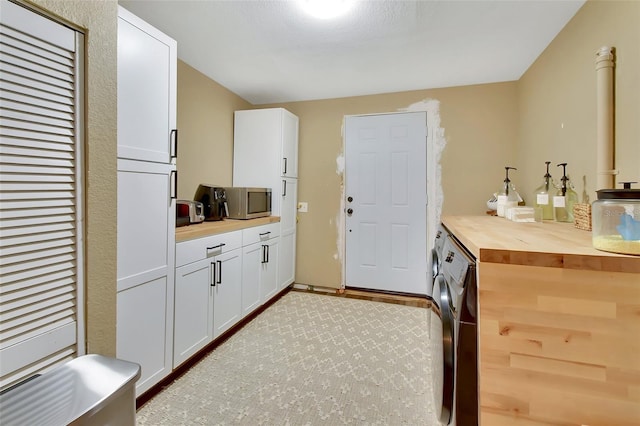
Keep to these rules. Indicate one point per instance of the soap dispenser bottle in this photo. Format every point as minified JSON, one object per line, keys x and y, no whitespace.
{"x":544,"y":195}
{"x":565,"y":198}
{"x":507,"y":195}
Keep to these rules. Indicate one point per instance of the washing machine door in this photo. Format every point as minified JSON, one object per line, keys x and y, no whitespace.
{"x":442,"y":351}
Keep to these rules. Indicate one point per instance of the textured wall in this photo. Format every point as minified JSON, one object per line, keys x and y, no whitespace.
{"x":205,"y":128}
{"x":99,"y":21}
{"x":479,"y":123}
{"x":557,"y":98}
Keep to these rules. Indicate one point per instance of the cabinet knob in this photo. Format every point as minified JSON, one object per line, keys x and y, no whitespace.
{"x":349,"y":212}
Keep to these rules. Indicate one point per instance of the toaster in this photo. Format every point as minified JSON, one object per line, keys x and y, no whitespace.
{"x":188,"y":212}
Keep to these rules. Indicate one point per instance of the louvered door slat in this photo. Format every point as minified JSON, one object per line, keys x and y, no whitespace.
{"x":35,"y":324}
{"x":30,"y":117}
{"x":41,"y":177}
{"x":63,"y":275}
{"x":62,"y":298}
{"x":9,"y":105}
{"x":25,"y":41}
{"x":54,"y":287}
{"x":14,"y":214}
{"x":42,"y":253}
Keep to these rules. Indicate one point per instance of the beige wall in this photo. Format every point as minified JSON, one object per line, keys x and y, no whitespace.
{"x":486,"y":126}
{"x":99,"y":19}
{"x":557,"y":98}
{"x":480,"y":127}
{"x":205,"y":128}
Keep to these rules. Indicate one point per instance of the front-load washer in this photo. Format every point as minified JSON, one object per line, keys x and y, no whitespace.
{"x":453,"y":338}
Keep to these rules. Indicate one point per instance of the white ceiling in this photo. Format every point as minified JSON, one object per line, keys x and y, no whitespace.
{"x":270,"y":51}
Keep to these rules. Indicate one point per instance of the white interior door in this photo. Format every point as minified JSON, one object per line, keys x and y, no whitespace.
{"x":385,"y":205}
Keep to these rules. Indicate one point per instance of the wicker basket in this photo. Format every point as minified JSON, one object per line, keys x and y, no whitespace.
{"x":582,"y":216}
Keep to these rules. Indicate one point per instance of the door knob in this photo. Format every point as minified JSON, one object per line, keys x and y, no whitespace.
{"x":349,"y":212}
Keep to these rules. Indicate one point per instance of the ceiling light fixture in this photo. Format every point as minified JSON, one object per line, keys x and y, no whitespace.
{"x":326,"y":9}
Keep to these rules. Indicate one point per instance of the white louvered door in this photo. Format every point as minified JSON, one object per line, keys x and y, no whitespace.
{"x":41,"y":284}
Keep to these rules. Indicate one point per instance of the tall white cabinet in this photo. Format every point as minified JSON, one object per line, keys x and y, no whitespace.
{"x":147,"y":66}
{"x":265,"y":154}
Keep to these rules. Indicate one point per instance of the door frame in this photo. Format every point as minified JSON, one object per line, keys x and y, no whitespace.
{"x":435,"y":145}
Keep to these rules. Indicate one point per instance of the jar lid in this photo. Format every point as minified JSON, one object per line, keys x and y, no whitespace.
{"x":613,"y":194}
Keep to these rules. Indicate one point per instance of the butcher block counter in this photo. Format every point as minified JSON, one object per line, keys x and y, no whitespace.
{"x":558,"y":324}
{"x":204,"y":229}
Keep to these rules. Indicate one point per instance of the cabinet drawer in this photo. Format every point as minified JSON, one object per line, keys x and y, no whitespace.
{"x":260,"y":233}
{"x":201,"y":248}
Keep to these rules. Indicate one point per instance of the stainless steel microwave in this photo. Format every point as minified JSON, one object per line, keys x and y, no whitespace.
{"x":248,"y":203}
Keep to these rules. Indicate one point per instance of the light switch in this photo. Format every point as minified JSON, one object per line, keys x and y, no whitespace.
{"x":303,"y":207}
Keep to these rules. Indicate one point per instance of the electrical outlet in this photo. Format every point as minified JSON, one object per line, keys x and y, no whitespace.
{"x":303,"y":207}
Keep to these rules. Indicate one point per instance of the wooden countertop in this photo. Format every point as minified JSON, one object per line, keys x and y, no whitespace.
{"x":551,"y":244}
{"x":204,"y":229}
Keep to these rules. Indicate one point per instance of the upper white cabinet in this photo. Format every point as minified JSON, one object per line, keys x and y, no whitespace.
{"x":265,"y":154}
{"x":147,"y":65}
{"x":146,"y":198}
{"x":265,"y":150}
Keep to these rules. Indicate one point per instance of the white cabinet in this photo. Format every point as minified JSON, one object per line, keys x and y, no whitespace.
{"x":147,"y":76}
{"x":260,"y":253}
{"x":227,"y":290}
{"x":208,"y":291}
{"x":146,"y":192}
{"x":287,"y":260}
{"x":262,"y":138}
{"x":193,"y":310}
{"x":266,"y":155}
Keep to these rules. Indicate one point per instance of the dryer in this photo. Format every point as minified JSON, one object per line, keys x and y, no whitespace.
{"x":453,"y":332}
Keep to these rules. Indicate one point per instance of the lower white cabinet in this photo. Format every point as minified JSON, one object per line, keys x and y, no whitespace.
{"x":145,"y":269}
{"x":143,"y":327}
{"x":219,"y":280}
{"x":226,"y":290}
{"x":193,"y":322}
{"x":207,"y":291}
{"x":287,"y":261}
{"x":260,"y":253}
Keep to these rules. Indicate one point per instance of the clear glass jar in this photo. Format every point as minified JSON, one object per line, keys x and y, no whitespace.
{"x":615,"y":220}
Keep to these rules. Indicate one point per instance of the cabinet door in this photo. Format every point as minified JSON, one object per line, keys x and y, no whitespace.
{"x":287,"y":259}
{"x":147,"y":69}
{"x":227,"y":292}
{"x":193,"y":321}
{"x":251,"y":266}
{"x":146,"y":222}
{"x":145,"y":270}
{"x":269,"y":270}
{"x":289,"y":144}
{"x":142,"y":330}
{"x":289,"y":203}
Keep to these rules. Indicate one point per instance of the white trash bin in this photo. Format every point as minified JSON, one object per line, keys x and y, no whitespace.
{"x":88,"y":390}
